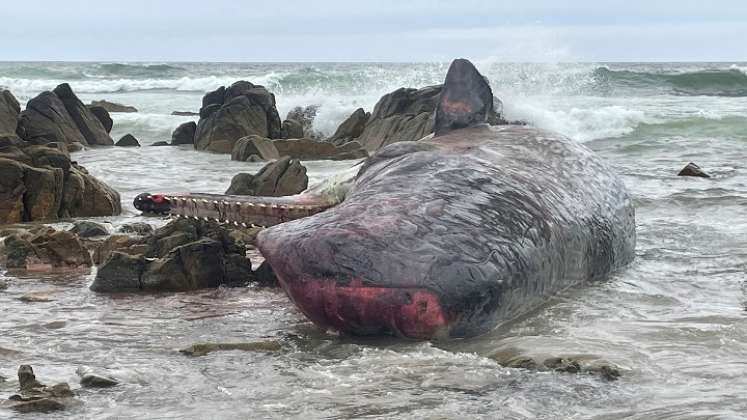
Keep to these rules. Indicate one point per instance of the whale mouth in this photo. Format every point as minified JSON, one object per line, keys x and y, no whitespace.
{"x":357,"y":309}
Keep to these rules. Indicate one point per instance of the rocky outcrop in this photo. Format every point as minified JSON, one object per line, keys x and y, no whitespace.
{"x":88,"y":124}
{"x":254,"y":147}
{"x":113,"y":106}
{"x":284,"y":177}
{"x":692,"y":169}
{"x":308,"y":149}
{"x":229,"y":114}
{"x":35,"y":397}
{"x":128,"y":140}
{"x":183,"y":255}
{"x":46,"y":120}
{"x":41,"y":183}
{"x":88,"y":229}
{"x":304,"y":115}
{"x":184,"y":134}
{"x":9,"y":111}
{"x":45,"y":249}
{"x":103,"y":116}
{"x":351,"y":128}
{"x":403,"y":115}
{"x":291,"y":129}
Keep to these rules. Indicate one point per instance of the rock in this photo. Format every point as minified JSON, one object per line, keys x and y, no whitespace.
{"x":257,"y":146}
{"x":160,"y":143}
{"x":86,"y":196}
{"x":305,"y":117}
{"x":9,"y":112}
{"x":283,"y":177}
{"x":202,"y":349}
{"x":693,"y":170}
{"x":265,"y":276}
{"x":123,"y":243}
{"x":308,"y":149}
{"x":185,"y":113}
{"x":291,"y":129}
{"x":34,"y":397}
{"x":351,"y":128}
{"x":103,"y":116}
{"x":184,"y":134}
{"x":128,"y":140}
{"x":230,"y":114}
{"x":88,"y":124}
{"x":12,"y":190}
{"x":183,"y":255}
{"x":137,"y":228}
{"x":46,"y":119}
{"x":88,"y":229}
{"x":75,"y":147}
{"x":3,"y":284}
{"x":560,"y":364}
{"x":92,"y":379}
{"x":37,"y":297}
{"x":48,"y":248}
{"x":113,"y":106}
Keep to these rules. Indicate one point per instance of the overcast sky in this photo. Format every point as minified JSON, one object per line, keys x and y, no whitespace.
{"x":360,"y":30}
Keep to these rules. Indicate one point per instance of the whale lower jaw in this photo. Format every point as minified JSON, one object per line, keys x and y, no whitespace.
{"x":356,"y":309}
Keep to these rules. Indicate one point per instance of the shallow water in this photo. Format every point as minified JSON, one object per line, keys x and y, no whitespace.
{"x":674,"y":321}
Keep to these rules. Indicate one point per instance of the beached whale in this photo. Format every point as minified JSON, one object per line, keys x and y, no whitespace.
{"x":444,"y":237}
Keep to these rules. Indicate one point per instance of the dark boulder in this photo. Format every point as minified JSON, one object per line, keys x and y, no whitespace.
{"x":120,"y":273}
{"x":88,"y":229}
{"x":196,"y":265}
{"x":137,"y":228}
{"x":88,"y":124}
{"x":35,"y":397}
{"x":229,"y":114}
{"x":309,"y":149}
{"x":284,"y":177}
{"x":9,"y":112}
{"x":291,"y":129}
{"x":128,"y":140}
{"x":265,"y":276}
{"x":254,"y":145}
{"x":351,"y":128}
{"x":160,"y":143}
{"x":103,"y":116}
{"x":86,"y":196}
{"x":185,"y":113}
{"x":46,"y":249}
{"x":46,"y":119}
{"x":184,"y":134}
{"x":113,"y":106}
{"x":693,"y":170}
{"x":305,"y":116}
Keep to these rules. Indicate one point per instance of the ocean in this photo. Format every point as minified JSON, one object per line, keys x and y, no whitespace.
{"x":674,"y":321}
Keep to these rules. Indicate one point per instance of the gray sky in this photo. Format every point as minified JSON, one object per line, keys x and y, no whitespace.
{"x":390,"y":30}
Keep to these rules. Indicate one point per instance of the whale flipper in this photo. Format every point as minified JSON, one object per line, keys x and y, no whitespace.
{"x":466,"y":99}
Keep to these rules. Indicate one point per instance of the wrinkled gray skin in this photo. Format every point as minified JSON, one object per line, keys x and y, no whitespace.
{"x":445,"y":237}
{"x":492,"y":220}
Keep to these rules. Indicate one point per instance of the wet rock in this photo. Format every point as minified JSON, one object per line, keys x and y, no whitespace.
{"x":120,"y":273}
{"x":283,"y":177}
{"x":241,"y":110}
{"x":351,"y":128}
{"x":137,"y":228}
{"x":308,"y":149}
{"x":88,"y":229}
{"x":113,"y":106}
{"x":185,"y":113}
{"x":46,"y":249}
{"x":560,"y":364}
{"x":128,"y":140}
{"x":46,"y":119}
{"x":160,"y":143}
{"x":86,"y":196}
{"x":123,"y":243}
{"x":202,"y":349}
{"x":265,"y":276}
{"x":238,"y":270}
{"x":35,"y":397}
{"x":196,"y":265}
{"x":88,"y":124}
{"x":249,"y":146}
{"x":693,"y":170}
{"x":103,"y":116}
{"x":36,"y":297}
{"x":3,"y":284}
{"x":305,"y":117}
{"x":291,"y":129}
{"x":184,"y":134}
{"x":9,"y":112}
{"x":92,"y":379}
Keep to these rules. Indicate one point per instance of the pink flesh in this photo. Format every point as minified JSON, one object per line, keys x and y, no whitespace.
{"x":361,"y":310}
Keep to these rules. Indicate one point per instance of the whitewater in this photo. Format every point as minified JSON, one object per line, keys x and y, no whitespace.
{"x":674,"y":321}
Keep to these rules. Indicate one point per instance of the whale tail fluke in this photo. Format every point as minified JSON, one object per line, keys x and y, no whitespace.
{"x":466,"y":99}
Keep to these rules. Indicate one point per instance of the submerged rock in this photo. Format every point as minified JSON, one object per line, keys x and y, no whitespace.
{"x":113,"y":106}
{"x":565,"y":364}
{"x":202,"y":349}
{"x":128,"y":140}
{"x":45,"y":249}
{"x":88,"y":229}
{"x":92,"y":379}
{"x":229,"y":114}
{"x":692,"y":169}
{"x":160,"y":143}
{"x":137,"y":228}
{"x":35,"y":397}
{"x":283,"y":177}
